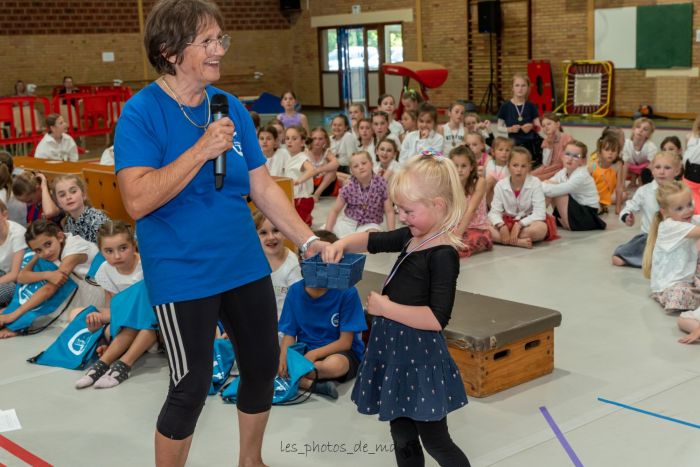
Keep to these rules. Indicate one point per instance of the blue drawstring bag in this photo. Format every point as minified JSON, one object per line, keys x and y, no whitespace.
{"x":24,"y":291}
{"x":131,"y":308}
{"x":223,"y":362}
{"x":76,"y":346}
{"x":96,"y":263}
{"x":285,"y":389}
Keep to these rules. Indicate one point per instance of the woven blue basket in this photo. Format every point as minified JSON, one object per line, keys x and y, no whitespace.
{"x":342,"y":275}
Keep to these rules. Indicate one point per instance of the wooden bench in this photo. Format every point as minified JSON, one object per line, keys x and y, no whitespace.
{"x":496,"y":343}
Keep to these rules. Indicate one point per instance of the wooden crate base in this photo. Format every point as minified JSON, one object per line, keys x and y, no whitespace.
{"x":488,"y":372}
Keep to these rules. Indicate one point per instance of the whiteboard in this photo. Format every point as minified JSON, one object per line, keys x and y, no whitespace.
{"x":616,"y":36}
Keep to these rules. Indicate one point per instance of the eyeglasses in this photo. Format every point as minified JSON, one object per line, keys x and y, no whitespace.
{"x":576,"y":155}
{"x":210,"y":44}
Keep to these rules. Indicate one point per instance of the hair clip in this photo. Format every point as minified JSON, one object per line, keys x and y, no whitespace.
{"x":438,"y":155}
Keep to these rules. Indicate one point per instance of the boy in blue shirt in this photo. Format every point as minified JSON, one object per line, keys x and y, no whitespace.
{"x":330,"y":323}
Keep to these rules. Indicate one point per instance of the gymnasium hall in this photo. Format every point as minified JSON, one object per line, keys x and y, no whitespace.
{"x":566,"y":358}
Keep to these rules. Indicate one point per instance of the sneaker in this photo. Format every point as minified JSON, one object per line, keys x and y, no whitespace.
{"x":95,"y":372}
{"x":325,"y":388}
{"x":117,"y":374}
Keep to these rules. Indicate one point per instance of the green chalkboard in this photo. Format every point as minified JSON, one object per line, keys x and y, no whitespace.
{"x":664,"y":36}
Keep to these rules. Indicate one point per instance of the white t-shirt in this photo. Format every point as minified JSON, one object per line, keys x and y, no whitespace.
{"x":632,"y":156}
{"x":49,"y":148}
{"x":75,"y":245}
{"x":287,"y":274}
{"x":113,"y":281}
{"x":395,"y":128}
{"x":16,"y":210}
{"x":107,"y":156}
{"x":675,"y":255}
{"x":344,"y":147}
{"x":580,"y":185}
{"x":413,"y":144}
{"x":12,"y":244}
{"x":393,"y":166}
{"x":275,"y":164}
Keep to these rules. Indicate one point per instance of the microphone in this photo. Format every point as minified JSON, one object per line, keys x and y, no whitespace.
{"x":219,"y":110}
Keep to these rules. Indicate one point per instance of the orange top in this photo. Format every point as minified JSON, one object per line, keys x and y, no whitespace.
{"x":605,"y":182}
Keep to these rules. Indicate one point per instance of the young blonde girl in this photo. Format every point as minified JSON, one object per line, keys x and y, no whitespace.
{"x":12,"y":247}
{"x":72,"y":254}
{"x":32,"y":188}
{"x":606,"y":171}
{"x":386,"y":103}
{"x":386,"y":165}
{"x":409,"y":123}
{"x":299,"y":169}
{"x":290,"y":116}
{"x":356,"y":112}
{"x":343,"y":144}
{"x":518,"y":211}
{"x":57,"y":145}
{"x":410,"y":313}
{"x":363,"y":202}
{"x":475,"y":141}
{"x":671,"y":254}
{"x":638,"y":150}
{"x":453,"y":131}
{"x":365,"y":137}
{"x":664,"y":168}
{"x":277,"y":157}
{"x":131,"y":332}
{"x":283,"y":262}
{"x":474,"y":226}
{"x":496,"y":168}
{"x":324,"y":162}
{"x":519,"y":118}
{"x":425,"y":138}
{"x":82,"y":219}
{"x":16,"y":210}
{"x":555,"y":140}
{"x":573,"y":193}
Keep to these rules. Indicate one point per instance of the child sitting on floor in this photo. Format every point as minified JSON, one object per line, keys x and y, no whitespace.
{"x":329,"y":322}
{"x":671,"y":254}
{"x":12,"y":246}
{"x":573,"y":193}
{"x":474,"y":226}
{"x":606,"y":171}
{"x":82,"y":218}
{"x":283,"y":262}
{"x":133,"y":330}
{"x":363,"y":202}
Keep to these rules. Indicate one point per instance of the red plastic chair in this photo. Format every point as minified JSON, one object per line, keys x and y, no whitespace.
{"x":21,"y":123}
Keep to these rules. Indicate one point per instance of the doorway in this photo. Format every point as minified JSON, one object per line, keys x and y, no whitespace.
{"x":351,"y":59}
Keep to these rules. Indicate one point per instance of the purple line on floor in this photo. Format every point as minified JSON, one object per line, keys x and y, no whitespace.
{"x":560,"y":436}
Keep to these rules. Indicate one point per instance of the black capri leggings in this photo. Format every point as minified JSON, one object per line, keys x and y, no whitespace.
{"x":249,"y":316}
{"x":435,"y":438}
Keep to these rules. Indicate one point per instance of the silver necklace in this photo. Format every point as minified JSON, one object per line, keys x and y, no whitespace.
{"x":182,"y":107}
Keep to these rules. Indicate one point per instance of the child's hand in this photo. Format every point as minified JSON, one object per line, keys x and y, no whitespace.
{"x":93,"y":321}
{"x":332,"y":253}
{"x":42,"y":179}
{"x":282,"y":370}
{"x":57,"y":278}
{"x":505,"y":234}
{"x":690,"y":338}
{"x":527,"y":127}
{"x":376,"y":304}
{"x":514,"y":129}
{"x":480,"y":171}
{"x":629,"y":220}
{"x":515,"y":233}
{"x":297,"y":182}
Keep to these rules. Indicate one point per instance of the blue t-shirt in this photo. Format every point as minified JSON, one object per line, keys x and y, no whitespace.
{"x":318,"y":322}
{"x":203,"y":241}
{"x":509,"y":114}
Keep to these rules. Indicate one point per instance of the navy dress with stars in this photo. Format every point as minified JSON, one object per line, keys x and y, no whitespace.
{"x":408,"y":372}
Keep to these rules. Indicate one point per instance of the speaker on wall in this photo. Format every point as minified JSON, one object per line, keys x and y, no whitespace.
{"x":290,"y":5}
{"x":489,"y":12}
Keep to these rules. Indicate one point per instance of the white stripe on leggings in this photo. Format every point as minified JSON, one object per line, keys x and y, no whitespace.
{"x":173,"y":342}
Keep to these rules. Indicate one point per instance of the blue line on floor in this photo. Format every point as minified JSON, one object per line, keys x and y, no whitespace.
{"x":653,"y":414}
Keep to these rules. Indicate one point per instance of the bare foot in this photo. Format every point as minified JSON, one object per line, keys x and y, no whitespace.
{"x":100,"y":350}
{"x":617,"y":261}
{"x":6,"y":333}
{"x":524,"y":243}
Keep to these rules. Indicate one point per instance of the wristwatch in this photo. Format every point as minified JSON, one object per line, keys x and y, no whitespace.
{"x":305,"y":246}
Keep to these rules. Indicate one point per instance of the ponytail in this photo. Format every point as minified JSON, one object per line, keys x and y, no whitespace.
{"x":651,"y":241}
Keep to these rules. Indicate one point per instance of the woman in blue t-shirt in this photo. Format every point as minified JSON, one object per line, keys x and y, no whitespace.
{"x":520,"y":119}
{"x":201,"y":256}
